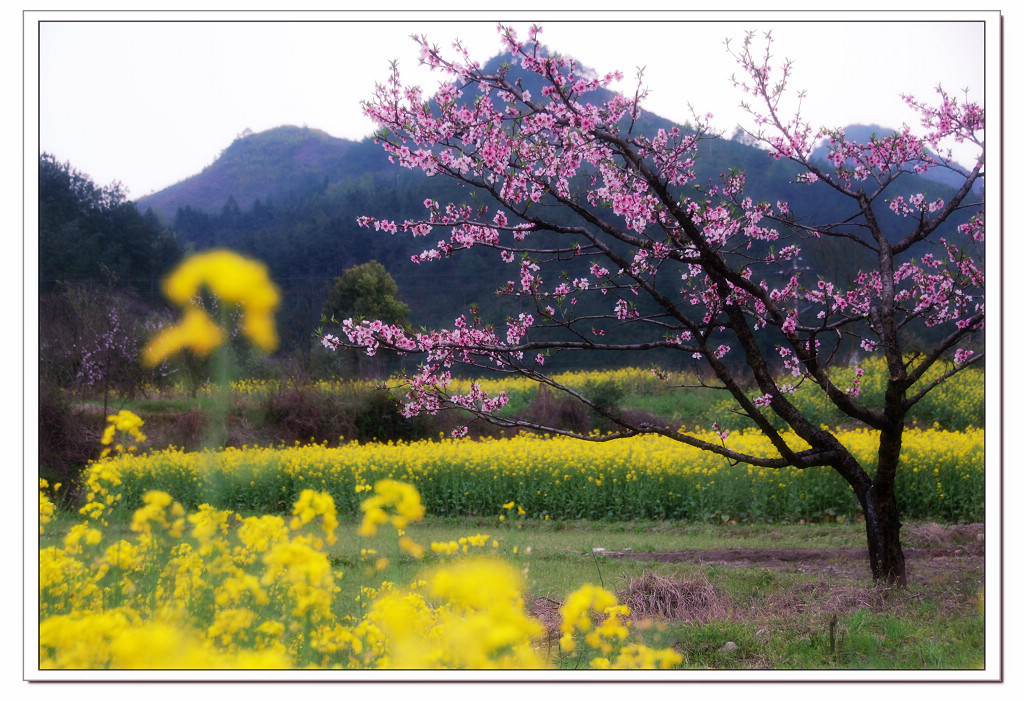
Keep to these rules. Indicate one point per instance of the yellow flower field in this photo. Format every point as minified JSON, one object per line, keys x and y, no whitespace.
{"x":261,"y":592}
{"x":941,"y":477}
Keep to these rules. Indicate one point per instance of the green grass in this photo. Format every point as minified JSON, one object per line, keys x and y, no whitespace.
{"x":580,"y":537}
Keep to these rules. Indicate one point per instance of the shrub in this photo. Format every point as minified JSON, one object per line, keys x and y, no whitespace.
{"x":66,"y":441}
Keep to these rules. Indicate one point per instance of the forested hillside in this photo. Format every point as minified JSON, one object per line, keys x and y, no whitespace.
{"x":93,"y":234}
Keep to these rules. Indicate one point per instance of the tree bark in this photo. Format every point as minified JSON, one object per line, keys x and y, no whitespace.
{"x":877,"y":499}
{"x":881,"y":520}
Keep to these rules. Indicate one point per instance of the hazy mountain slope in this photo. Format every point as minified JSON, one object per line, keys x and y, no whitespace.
{"x":258,"y":166}
{"x":862,"y":133}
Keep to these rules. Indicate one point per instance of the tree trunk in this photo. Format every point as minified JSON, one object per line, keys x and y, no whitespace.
{"x":883,"y":530}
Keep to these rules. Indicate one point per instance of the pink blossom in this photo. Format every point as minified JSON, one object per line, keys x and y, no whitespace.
{"x":697,"y":264}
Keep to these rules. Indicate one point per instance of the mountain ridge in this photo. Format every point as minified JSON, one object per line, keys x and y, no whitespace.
{"x":292,"y":159}
{"x":256,"y":166}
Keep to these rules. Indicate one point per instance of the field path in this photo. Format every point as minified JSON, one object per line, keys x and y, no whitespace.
{"x":925,"y":565}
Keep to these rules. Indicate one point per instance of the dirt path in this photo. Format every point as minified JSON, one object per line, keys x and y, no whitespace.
{"x":936,"y":555}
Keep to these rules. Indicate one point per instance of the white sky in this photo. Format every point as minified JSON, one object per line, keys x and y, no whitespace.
{"x":149,"y":103}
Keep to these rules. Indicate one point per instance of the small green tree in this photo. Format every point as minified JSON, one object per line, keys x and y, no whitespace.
{"x":366,"y":291}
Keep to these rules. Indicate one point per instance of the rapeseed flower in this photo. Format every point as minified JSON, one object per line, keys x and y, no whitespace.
{"x":126,"y":422}
{"x":634,"y":656}
{"x":229,"y":623}
{"x":411,"y":547}
{"x":235,"y":589}
{"x":81,"y":533}
{"x":576,"y":612}
{"x":309,"y":505}
{"x":46,"y":507}
{"x":402,"y":498}
{"x":444,"y":549}
{"x":305,"y":572}
{"x":233,"y":279}
{"x":479,"y":621}
{"x":195,"y":331}
{"x":155,"y":511}
{"x":259,"y":534}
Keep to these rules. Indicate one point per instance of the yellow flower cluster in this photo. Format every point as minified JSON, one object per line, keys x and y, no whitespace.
{"x":609,"y":637}
{"x":100,"y":480}
{"x":46,"y":506}
{"x":122,"y":639}
{"x":642,"y":477}
{"x":127,"y":423}
{"x":311,"y":504}
{"x":479,"y":622}
{"x":637,"y":656}
{"x":225,"y":597}
{"x":260,"y":592}
{"x":155,"y":510}
{"x":576,"y":612}
{"x":463,"y":544}
{"x":233,"y":279}
{"x":400,"y":497}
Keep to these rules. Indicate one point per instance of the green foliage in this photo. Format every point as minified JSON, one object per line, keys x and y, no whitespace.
{"x":366,"y":291}
{"x":93,"y":234}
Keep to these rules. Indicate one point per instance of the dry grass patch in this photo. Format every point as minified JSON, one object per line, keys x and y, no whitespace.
{"x":545,"y":610}
{"x":938,"y":535}
{"x":824,"y":598}
{"x":655,"y":596}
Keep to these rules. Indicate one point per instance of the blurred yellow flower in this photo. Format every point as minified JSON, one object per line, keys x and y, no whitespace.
{"x":124,"y":421}
{"x":234,"y":279}
{"x":402,"y":497}
{"x":411,"y":547}
{"x":309,"y":505}
{"x":196,"y":331}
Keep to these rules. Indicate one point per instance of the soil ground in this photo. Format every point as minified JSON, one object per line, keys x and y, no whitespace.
{"x":934,"y":553}
{"x":944,"y":562}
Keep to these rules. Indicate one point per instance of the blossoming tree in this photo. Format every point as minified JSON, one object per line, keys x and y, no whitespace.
{"x":583,"y":206}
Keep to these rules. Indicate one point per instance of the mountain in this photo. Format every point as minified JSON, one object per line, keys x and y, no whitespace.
{"x":864,"y":132}
{"x":288,"y":160}
{"x":263,"y":165}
